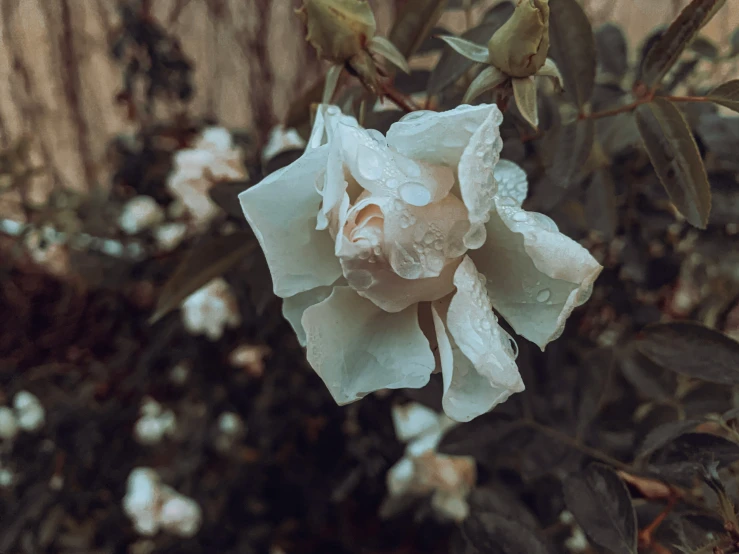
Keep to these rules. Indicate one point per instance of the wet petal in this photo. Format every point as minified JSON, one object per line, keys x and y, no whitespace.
{"x":535,"y":275}
{"x":282,"y":212}
{"x":357,"y":348}
{"x":438,"y":137}
{"x":476,"y":178}
{"x":477,"y":360}
{"x":512,"y":181}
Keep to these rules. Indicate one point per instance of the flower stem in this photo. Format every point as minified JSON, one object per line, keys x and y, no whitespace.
{"x":633,"y":105}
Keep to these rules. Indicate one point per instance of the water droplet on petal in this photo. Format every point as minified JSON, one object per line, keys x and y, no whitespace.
{"x":471,"y":126}
{"x":543,"y":295}
{"x":439,"y":244}
{"x":369,"y":163}
{"x":333,"y":110}
{"x":415,"y":194}
{"x":429,"y":237}
{"x":392,"y":183}
{"x":520,"y":217}
{"x":418,"y":114}
{"x":361,"y":279}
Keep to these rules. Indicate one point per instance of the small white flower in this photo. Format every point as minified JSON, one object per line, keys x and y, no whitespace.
{"x":152,"y":506}
{"x":29,"y":412}
{"x":422,"y":471}
{"x":210,"y":310}
{"x":8,"y":424}
{"x":154,"y":424}
{"x":140,"y":213}
{"x":212,"y":158}
{"x":386,"y":247}
{"x":170,"y":235}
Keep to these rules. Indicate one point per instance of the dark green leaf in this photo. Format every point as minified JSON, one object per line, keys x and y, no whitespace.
{"x":676,"y":159}
{"x":734,"y":40}
{"x":414,"y":23}
{"x":683,"y":70}
{"x":693,"y":452}
{"x":664,"y":434}
{"x":570,"y":147}
{"x":501,"y":501}
{"x":692,"y":350}
{"x":478,"y":437}
{"x":667,"y":49}
{"x":209,"y":259}
{"x":573,"y":48}
{"x":612,"y":50}
{"x":452,"y":65}
{"x":601,"y":504}
{"x":226,"y":194}
{"x":494,"y":534}
{"x":705,"y":48}
{"x":601,"y":209}
{"x":727,"y":95}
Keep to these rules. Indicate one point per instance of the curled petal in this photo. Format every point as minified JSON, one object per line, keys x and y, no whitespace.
{"x":282,"y":213}
{"x":357,"y":348}
{"x":512,"y":181}
{"x":477,"y":360}
{"x":437,"y":137}
{"x":293,"y":307}
{"x":535,"y":275}
{"x":475,"y":171}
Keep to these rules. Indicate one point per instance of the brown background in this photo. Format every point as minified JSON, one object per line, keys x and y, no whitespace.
{"x":57,"y":80}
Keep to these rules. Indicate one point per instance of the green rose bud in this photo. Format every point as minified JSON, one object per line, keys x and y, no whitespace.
{"x":338,"y":29}
{"x":519,"y":48}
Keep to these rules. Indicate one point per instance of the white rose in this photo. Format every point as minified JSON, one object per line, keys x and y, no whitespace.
{"x":385,"y":248}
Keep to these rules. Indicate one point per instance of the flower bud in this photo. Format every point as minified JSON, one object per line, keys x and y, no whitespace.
{"x":338,"y":29}
{"x":519,"y":48}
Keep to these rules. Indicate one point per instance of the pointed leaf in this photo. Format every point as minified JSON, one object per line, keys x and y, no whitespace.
{"x":451,"y":65}
{"x":601,"y":504}
{"x":207,"y":260}
{"x":570,"y":147}
{"x":496,"y":534}
{"x":414,"y":23}
{"x":573,"y":48}
{"x":524,"y":91}
{"x":612,"y":50}
{"x":550,"y":69}
{"x":726,"y":95}
{"x":386,"y":49}
{"x":676,"y":159}
{"x":705,"y":48}
{"x":488,"y":79}
{"x":693,"y":350}
{"x":468,"y":49}
{"x":666,"y":50}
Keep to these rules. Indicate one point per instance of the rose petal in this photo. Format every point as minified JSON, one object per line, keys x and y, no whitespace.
{"x":357,"y":348}
{"x":477,"y":361}
{"x":535,"y":275}
{"x":512,"y":181}
{"x":294,"y":306}
{"x":282,"y":212}
{"x":476,"y":178}
{"x":437,"y":137}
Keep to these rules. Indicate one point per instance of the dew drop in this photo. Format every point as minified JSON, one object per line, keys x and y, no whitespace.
{"x":543,"y":295}
{"x":480,"y":154}
{"x":520,"y":217}
{"x":369,"y":163}
{"x":439,"y":244}
{"x":360,"y":279}
{"x":392,"y":183}
{"x":486,"y":324}
{"x":415,"y":194}
{"x":429,"y":237}
{"x":471,"y":126}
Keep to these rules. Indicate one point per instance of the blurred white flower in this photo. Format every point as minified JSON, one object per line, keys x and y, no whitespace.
{"x":154,"y":423}
{"x":8,"y":424}
{"x":6,"y":477}
{"x":422,"y":471}
{"x":387,"y":247}
{"x":29,"y":412}
{"x":231,"y":429}
{"x":211,"y":309}
{"x":46,"y":248}
{"x":152,"y":506}
{"x":249,"y":357}
{"x":140,"y":213}
{"x":170,"y":235}
{"x":281,"y":140}
{"x":213,"y":158}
